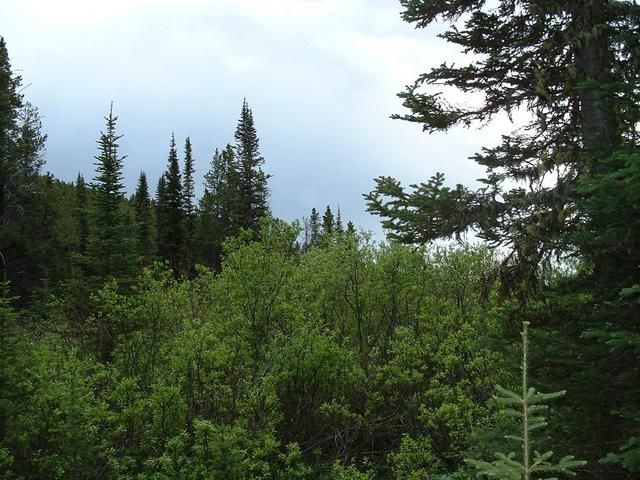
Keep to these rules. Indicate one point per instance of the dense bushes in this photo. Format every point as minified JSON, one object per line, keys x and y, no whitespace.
{"x":353,"y":360}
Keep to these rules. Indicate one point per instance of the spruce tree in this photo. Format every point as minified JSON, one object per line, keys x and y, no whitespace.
{"x":188,"y":189}
{"x":218,"y":207}
{"x":110,"y":246}
{"x":80,"y":214}
{"x":328,"y":222}
{"x":171,"y":228}
{"x":160,"y":207}
{"x":528,"y":406}
{"x":563,"y":185}
{"x":21,"y":142}
{"x":143,"y":216}
{"x":314,"y":226}
{"x":574,"y":67}
{"x":160,"y":193}
{"x":21,"y":146}
{"x":253,"y":200}
{"x":339,"y":226}
{"x":188,"y":201}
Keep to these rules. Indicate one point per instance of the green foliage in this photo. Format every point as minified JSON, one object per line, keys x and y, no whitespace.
{"x":54,"y":429}
{"x":560,"y":193}
{"x":21,"y":148}
{"x":414,"y":460}
{"x":188,"y":204}
{"x":314,"y":228}
{"x":328,"y":222}
{"x":574,"y":67}
{"x":144,"y":220}
{"x":8,"y":352}
{"x":218,"y":212}
{"x":349,"y":472}
{"x":628,"y":456}
{"x":253,"y":192}
{"x":353,"y":360}
{"x":110,"y":248}
{"x":340,"y":358}
{"x":21,"y":142}
{"x":609,"y":225}
{"x":527,"y":406}
{"x":80,"y":214}
{"x":170,"y":223}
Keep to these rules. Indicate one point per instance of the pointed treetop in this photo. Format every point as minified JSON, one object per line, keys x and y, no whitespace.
{"x":327,"y":221}
{"x":142,"y":182}
{"x":109,"y":176}
{"x":339,"y":226}
{"x":188,"y":186}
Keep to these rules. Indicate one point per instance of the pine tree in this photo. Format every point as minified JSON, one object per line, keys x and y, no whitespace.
{"x":253,"y":201}
{"x":188,"y":199}
{"x":110,"y":246}
{"x":171,"y":228}
{"x":143,"y":217}
{"x":351,"y":228}
{"x":528,"y":406}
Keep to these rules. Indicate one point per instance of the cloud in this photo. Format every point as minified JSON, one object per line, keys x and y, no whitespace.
{"x":320,"y":75}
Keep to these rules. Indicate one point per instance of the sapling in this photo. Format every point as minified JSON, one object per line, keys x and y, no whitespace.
{"x":529,"y":406}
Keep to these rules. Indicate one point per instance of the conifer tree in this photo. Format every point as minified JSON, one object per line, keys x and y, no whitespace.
{"x":110,"y":247}
{"x":143,"y":216}
{"x":328,"y":222}
{"x":575,"y":67}
{"x":8,"y":352}
{"x":171,"y":228}
{"x":314,"y":227}
{"x":160,"y":209}
{"x":80,"y":214}
{"x":188,"y":200}
{"x":188,"y":192}
{"x":528,"y":406}
{"x":253,"y":200}
{"x":160,"y":196}
{"x":21,"y":142}
{"x":21,"y":146}
{"x":339,"y":226}
{"x":218,"y":207}
{"x":561,"y":185}
{"x":351,"y":228}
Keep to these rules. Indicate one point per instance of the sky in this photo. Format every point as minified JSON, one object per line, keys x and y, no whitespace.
{"x":321,"y":77}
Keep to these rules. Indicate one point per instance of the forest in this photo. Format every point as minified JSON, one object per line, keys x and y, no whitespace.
{"x":156,"y":335}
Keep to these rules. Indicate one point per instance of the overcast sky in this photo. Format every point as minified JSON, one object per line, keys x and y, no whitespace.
{"x":320,"y":75}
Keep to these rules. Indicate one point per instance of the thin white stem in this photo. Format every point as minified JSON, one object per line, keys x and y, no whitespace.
{"x":525,"y":403}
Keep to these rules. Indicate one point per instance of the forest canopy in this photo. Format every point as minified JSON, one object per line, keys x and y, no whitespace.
{"x":164,"y":334}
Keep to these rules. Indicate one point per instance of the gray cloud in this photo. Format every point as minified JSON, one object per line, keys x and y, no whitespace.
{"x":320,"y":75}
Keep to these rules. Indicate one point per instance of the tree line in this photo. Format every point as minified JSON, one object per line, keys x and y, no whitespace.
{"x":172,"y":227}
